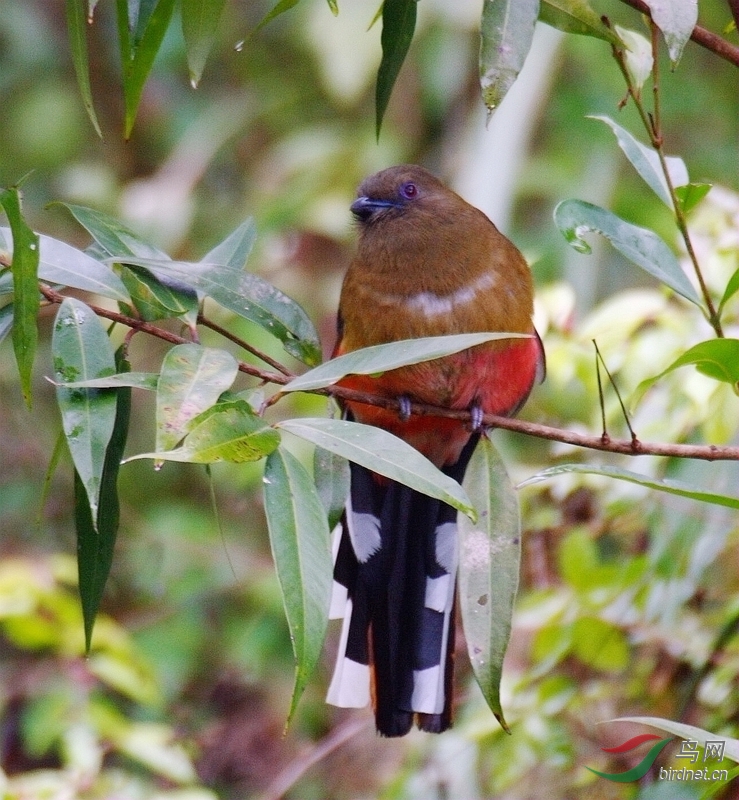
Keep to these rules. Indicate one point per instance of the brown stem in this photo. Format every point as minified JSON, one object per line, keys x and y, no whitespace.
{"x":629,"y":447}
{"x":214,"y":326}
{"x":702,"y":36}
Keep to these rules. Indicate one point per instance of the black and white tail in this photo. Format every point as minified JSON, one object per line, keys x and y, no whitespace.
{"x":395,"y":566}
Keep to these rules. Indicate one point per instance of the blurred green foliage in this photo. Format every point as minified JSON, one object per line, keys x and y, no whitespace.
{"x":626,"y":599}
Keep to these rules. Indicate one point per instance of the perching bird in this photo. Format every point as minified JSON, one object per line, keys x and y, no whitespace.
{"x":427,"y":264}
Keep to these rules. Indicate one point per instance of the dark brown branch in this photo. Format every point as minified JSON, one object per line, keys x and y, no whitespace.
{"x":705,"y":38}
{"x":243,"y":345}
{"x":606,"y":444}
{"x":160,"y":333}
{"x":629,"y":447}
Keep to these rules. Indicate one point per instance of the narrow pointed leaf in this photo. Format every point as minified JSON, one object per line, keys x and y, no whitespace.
{"x":646,"y":162}
{"x":77,"y":21}
{"x":665,"y":485}
{"x":684,"y":731}
{"x":95,"y":543}
{"x":641,"y":246}
{"x":60,"y":263}
{"x":299,"y":537}
{"x":490,"y":555}
{"x":138,"y":53}
{"x":228,"y":431}
{"x":234,"y":250}
{"x":250,"y":297}
{"x":136,"y":380}
{"x":154,"y":300}
{"x":506,"y":31}
{"x":192,"y":379}
{"x":398,"y":27}
{"x":200,"y":20}
{"x":380,"y":452}
{"x":81,"y":351}
{"x":331,"y":476}
{"x":24,"y":268}
{"x":382,"y":357}
{"x":732,"y":287}
{"x":576,"y":16}
{"x":716,"y":358}
{"x":114,"y":238}
{"x":690,"y":194}
{"x":280,"y":8}
{"x":676,"y":19}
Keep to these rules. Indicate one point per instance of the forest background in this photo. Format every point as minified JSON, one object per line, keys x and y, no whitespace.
{"x":627,"y":604}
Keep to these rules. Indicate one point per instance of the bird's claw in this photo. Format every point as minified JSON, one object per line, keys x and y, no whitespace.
{"x":476,"y":415}
{"x":404,"y":408}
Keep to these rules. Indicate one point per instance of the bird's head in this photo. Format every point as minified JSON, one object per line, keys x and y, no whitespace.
{"x":395,"y":191}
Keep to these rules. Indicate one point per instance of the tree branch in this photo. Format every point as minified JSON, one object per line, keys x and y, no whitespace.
{"x":628,"y":447}
{"x":604,"y":443}
{"x":711,"y":41}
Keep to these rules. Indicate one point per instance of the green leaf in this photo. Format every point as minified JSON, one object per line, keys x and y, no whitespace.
{"x":506,"y":31}
{"x":248,"y":296}
{"x":334,"y":6}
{"x":136,"y":380}
{"x":382,"y":357}
{"x":77,"y":20}
{"x":398,"y":27}
{"x":199,"y":27}
{"x":299,"y":537}
{"x":665,"y":485}
{"x":646,"y":162}
{"x":637,"y":55}
{"x":227,"y":431}
{"x":383,"y":453}
{"x":235,"y":249}
{"x":81,"y":351}
{"x":139,"y":51}
{"x":490,"y":554}
{"x":576,"y":16}
{"x":731,"y":746}
{"x":676,"y":19}
{"x":96,"y":542}
{"x":331,"y":476}
{"x":24,"y":267}
{"x":732,"y":287}
{"x":154,"y":299}
{"x":647,"y":250}
{"x":716,"y":358}
{"x":691,"y":194}
{"x":192,"y":379}
{"x":112,"y":236}
{"x":60,"y":263}
{"x":280,"y":8}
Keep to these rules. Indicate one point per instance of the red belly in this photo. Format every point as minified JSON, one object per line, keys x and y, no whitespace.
{"x":496,"y":380}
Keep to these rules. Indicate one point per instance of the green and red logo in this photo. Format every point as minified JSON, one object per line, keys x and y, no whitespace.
{"x":641,"y":769}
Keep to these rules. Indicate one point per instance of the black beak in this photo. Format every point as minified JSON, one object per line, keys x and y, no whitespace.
{"x":366,"y":207}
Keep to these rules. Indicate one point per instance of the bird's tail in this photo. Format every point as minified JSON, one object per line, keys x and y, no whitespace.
{"x":395,"y":588}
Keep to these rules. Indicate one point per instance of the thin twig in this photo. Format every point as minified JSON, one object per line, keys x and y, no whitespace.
{"x":294,"y":771}
{"x":161,"y":333}
{"x":705,"y":38}
{"x":214,"y":326}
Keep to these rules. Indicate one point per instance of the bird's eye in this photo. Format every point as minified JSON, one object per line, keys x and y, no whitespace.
{"x":409,"y":190}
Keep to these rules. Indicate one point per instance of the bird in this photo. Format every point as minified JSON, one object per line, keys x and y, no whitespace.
{"x":427,"y":263}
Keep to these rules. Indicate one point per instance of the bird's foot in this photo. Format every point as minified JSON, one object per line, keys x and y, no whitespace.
{"x":404,"y":408}
{"x":476,"y":415}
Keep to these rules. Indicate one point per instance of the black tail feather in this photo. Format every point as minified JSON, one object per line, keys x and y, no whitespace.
{"x":397,"y":559}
